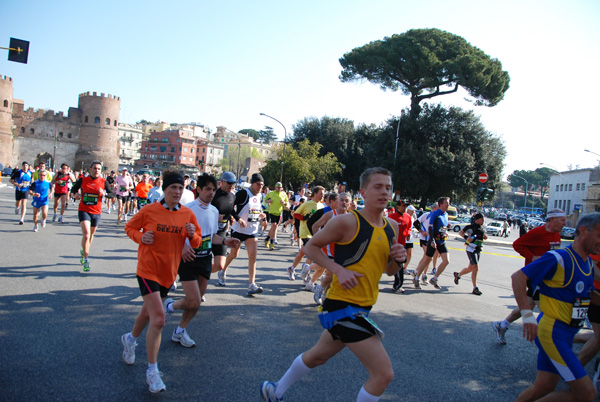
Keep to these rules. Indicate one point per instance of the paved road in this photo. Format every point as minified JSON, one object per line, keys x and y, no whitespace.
{"x":60,"y":328}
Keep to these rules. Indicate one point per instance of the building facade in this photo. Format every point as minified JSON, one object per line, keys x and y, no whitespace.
{"x":575,"y":191}
{"x":88,"y":132}
{"x":130,"y":143}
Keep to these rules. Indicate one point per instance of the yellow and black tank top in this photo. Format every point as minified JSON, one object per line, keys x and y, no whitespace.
{"x":367,"y":254}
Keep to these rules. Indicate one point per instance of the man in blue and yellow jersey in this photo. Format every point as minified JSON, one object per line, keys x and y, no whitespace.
{"x":565,"y":279}
{"x":366,"y":246}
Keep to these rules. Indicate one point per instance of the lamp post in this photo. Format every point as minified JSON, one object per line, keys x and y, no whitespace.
{"x":526,"y":188}
{"x":592,"y":152}
{"x":284,"y":141}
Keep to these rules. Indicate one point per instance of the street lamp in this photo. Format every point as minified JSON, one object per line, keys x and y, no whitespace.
{"x":526,"y":188}
{"x":587,"y":150}
{"x":284,"y":140}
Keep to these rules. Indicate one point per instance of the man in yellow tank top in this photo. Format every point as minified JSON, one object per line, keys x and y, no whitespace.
{"x":366,"y":246}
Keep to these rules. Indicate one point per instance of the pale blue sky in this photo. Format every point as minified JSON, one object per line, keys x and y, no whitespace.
{"x":222,"y":63}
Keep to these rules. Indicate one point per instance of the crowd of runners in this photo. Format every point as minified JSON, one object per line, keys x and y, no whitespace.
{"x":189,"y":229}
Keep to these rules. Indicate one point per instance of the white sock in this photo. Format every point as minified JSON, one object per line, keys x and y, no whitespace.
{"x":296,"y":371}
{"x":152,"y":367}
{"x":364,"y":396}
{"x":179,"y":330}
{"x":170,"y":308}
{"x":131,"y":338}
{"x":504,"y":323}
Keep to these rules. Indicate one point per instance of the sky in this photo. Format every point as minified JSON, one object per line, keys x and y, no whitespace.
{"x":223,"y":63}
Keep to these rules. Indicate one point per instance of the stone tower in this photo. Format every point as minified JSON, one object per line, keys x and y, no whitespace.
{"x":6,"y":135}
{"x":98,"y":136}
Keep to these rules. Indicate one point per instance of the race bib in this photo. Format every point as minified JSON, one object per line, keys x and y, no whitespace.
{"x":579,"y":312}
{"x":253,"y":215}
{"x":89,"y":199}
{"x":222,"y":225}
{"x":205,"y":248}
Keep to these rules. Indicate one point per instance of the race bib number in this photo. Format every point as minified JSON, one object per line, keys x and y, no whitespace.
{"x":579,"y":312}
{"x":222,"y":225}
{"x":205,"y":248}
{"x":123,"y":189}
{"x":89,"y":199}
{"x":253,"y":215}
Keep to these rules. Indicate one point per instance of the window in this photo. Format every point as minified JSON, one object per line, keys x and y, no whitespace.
{"x":557,"y":187}
{"x":153,"y":148}
{"x":172,"y":149}
{"x":164,"y":139}
{"x":561,"y":187}
{"x":570,"y":187}
{"x":5,"y":103}
{"x":582,"y":186}
{"x":192,"y":150}
{"x":115,"y":123}
{"x":185,"y":149}
{"x":163,"y":149}
{"x":69,"y":135}
{"x":184,"y":158}
{"x":22,"y":129}
{"x":86,"y":119}
{"x":97,"y":120}
{"x":31,"y":131}
{"x":568,"y":207}
{"x":60,"y":134}
{"x":559,"y":204}
{"x":555,"y":203}
{"x":107,"y":121}
{"x":577,"y":187}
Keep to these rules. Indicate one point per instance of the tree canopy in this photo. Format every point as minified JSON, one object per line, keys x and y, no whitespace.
{"x":303,"y":164}
{"x":441,"y":153}
{"x":536,"y":179}
{"x":425,"y":63}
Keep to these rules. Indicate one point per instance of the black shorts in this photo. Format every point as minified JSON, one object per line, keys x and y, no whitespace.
{"x":473,"y":257}
{"x":273,"y":218}
{"x":147,"y":286}
{"x":441,"y":248}
{"x":243,"y":236}
{"x":423,"y":243}
{"x":190,"y":271}
{"x":348,"y":330}
{"x":221,"y":249}
{"x":304,"y":241}
{"x":21,"y":195}
{"x":593,"y":313}
{"x":286,"y":216}
{"x":124,"y":198}
{"x":58,"y":195}
{"x":297,"y":226}
{"x":86,"y":216}
{"x":408,"y":245}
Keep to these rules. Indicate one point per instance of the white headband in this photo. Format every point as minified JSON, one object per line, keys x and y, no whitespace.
{"x":555,"y":215}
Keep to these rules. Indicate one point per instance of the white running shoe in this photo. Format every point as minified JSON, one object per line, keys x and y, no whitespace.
{"x":35,"y":227}
{"x":54,"y":217}
{"x":167,"y":312}
{"x":43,"y":223}
{"x":17,"y":211}
{"x":155,"y":382}
{"x":253,"y":288}
{"x":291,"y":273}
{"x":318,"y":297}
{"x":305,"y":272}
{"x":60,"y":219}
{"x":221,"y":278}
{"x":128,"y":350}
{"x":310,"y":286}
{"x":183,"y":338}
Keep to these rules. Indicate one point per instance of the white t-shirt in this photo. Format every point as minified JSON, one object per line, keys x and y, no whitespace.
{"x":208,"y":220}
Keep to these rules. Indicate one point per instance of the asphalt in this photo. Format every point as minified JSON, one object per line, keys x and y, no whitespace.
{"x":60,"y":328}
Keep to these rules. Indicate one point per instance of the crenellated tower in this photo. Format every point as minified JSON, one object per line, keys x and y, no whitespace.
{"x":98,"y":136}
{"x":6,"y":123}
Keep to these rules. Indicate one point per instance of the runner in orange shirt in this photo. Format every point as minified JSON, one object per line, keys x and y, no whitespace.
{"x":161,"y":230}
{"x":142,"y":190}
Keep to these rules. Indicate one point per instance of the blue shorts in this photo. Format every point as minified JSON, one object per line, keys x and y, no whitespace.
{"x":555,"y":342}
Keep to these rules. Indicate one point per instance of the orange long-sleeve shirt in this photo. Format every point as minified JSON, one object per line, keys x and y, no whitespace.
{"x":159,"y":261}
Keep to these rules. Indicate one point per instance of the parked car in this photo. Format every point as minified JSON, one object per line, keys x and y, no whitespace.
{"x":7,"y":171}
{"x":460,"y":223}
{"x":567,"y":233}
{"x":495,"y":229}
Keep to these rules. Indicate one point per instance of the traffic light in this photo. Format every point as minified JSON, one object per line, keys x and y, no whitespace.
{"x":488,"y":194}
{"x":18,"y":50}
{"x":480,"y":192}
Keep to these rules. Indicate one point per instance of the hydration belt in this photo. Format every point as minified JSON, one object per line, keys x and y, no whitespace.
{"x":328,"y":318}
